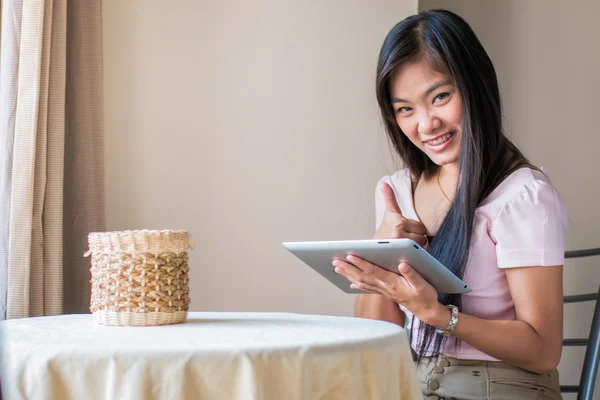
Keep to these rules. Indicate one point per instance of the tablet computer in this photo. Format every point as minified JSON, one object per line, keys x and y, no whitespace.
{"x":386,"y":253}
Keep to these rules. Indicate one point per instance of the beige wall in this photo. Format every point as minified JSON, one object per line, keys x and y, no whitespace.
{"x":248,"y":123}
{"x":255,"y":122}
{"x":546,"y":55}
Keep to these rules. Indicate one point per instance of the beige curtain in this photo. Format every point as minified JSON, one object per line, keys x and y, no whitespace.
{"x":56,"y":168}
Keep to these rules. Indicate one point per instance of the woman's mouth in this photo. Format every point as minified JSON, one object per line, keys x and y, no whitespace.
{"x":440,"y":142}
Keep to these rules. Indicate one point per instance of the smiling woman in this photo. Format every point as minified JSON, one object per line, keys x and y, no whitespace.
{"x":471,"y":198}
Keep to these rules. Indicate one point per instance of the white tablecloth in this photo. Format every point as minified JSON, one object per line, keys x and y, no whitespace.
{"x":210,"y":356}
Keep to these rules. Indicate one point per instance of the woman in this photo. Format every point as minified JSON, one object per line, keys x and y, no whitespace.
{"x":477,"y":204}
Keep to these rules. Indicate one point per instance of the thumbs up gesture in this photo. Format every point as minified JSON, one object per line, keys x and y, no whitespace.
{"x":395,"y":225}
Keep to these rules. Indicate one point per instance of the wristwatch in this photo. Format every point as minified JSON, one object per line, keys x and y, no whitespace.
{"x":452,"y":324}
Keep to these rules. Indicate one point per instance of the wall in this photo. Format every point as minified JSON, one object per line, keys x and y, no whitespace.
{"x":252,"y":123}
{"x":545,"y":53}
{"x":248,"y":124}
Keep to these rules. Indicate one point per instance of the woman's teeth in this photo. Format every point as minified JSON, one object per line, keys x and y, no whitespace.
{"x":440,"y":140}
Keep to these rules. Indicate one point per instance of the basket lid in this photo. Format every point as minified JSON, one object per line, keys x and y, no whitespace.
{"x":145,"y":240}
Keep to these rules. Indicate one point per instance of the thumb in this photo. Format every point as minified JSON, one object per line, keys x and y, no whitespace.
{"x":412,"y":277}
{"x":390,"y":198}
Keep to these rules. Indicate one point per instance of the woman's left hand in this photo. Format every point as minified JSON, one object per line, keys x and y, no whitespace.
{"x":408,"y":289}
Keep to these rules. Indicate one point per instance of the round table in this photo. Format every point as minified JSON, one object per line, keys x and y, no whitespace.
{"x":210,"y":356}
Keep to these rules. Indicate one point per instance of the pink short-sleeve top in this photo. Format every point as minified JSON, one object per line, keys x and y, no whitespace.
{"x":521,"y":223}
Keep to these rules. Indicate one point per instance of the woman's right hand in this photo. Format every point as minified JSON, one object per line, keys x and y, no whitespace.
{"x":395,"y":225}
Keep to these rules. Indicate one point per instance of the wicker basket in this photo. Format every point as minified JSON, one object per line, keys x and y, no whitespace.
{"x":139,"y":277}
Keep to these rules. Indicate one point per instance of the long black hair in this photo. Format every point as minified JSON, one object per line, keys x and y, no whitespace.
{"x":487,"y":156}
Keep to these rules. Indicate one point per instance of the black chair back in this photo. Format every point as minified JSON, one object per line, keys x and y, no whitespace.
{"x":585,"y":389}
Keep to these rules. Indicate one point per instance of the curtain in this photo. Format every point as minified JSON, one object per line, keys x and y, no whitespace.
{"x":10,"y":38}
{"x":52,"y":173}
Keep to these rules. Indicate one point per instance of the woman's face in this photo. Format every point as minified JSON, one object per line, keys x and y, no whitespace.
{"x":427,"y":108}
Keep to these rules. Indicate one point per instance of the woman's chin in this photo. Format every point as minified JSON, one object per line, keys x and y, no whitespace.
{"x":450,"y":156}
{"x":441,"y":159}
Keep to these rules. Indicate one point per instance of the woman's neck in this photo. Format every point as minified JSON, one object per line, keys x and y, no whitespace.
{"x":448,"y":174}
{"x":446,"y":177}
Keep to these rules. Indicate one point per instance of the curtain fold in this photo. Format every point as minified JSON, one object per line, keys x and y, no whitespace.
{"x":52,"y":205}
{"x":56,"y":176}
{"x":10,"y":40}
{"x":84,"y":210}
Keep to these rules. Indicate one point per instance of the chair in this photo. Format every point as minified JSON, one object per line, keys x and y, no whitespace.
{"x":585,"y":389}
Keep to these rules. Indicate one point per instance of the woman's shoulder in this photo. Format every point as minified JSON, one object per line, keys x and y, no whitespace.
{"x":398,"y":180}
{"x":528,"y":220}
{"x":525,"y":186}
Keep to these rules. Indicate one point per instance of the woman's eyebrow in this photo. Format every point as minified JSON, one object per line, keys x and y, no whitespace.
{"x":427,"y":92}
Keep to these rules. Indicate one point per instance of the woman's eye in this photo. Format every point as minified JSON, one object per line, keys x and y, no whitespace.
{"x":441,"y":96}
{"x":403,"y":109}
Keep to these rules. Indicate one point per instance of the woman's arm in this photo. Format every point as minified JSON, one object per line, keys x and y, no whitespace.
{"x":377,"y":306}
{"x":534,"y":340}
{"x":393,"y":226}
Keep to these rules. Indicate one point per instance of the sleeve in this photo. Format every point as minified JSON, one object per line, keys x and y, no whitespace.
{"x":530,"y":228}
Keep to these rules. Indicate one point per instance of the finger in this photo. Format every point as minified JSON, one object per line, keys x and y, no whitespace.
{"x":391,"y":203}
{"x":412,"y":226}
{"x":365,"y":287}
{"x":353,"y":274}
{"x":413,"y":278}
{"x":349,"y":271}
{"x":370,"y":274}
{"x":421,"y":240}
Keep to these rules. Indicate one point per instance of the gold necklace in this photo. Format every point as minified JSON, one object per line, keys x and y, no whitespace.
{"x":440,"y":185}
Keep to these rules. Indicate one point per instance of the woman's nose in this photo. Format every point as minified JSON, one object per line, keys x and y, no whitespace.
{"x":428,"y":124}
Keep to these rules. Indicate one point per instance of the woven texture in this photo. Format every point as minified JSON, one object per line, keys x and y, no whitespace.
{"x":139,"y":277}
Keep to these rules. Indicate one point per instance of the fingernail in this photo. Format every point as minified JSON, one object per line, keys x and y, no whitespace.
{"x":350,"y":258}
{"x":403,"y":267}
{"x":336,"y":270}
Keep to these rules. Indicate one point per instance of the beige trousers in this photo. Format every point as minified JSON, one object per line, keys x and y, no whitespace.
{"x":450,"y":378}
